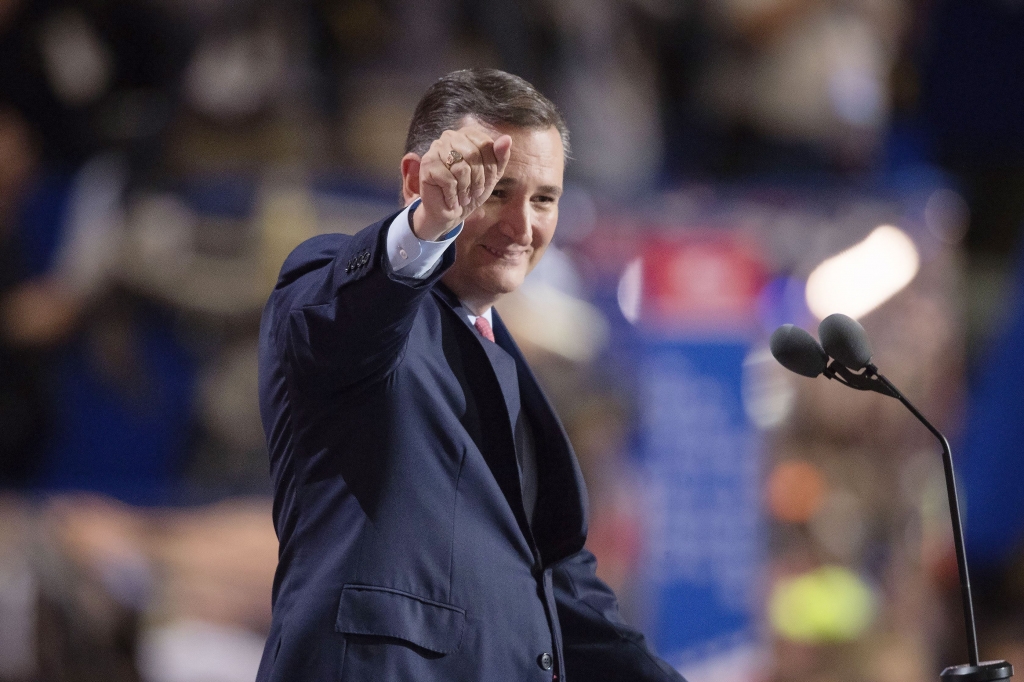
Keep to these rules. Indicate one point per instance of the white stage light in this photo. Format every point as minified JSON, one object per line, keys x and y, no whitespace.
{"x":863,"y":277}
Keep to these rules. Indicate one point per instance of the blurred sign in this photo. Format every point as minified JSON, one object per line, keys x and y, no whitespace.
{"x":701,"y":465}
{"x":699,"y":283}
{"x":699,"y":452}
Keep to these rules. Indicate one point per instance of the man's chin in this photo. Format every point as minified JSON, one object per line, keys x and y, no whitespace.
{"x":485,"y":283}
{"x":506,"y":284}
{"x":496,"y":288}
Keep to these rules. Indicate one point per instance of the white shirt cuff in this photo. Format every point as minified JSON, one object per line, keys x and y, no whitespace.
{"x":411,"y":256}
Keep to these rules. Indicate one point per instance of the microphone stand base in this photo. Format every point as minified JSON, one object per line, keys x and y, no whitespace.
{"x":986,"y":671}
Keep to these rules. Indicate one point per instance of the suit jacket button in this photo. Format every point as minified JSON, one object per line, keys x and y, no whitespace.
{"x":545,"y":661}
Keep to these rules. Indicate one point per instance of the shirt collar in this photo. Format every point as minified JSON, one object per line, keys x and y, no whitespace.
{"x":472,"y":317}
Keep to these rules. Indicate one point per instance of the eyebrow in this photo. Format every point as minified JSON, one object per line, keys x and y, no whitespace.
{"x":543,"y":189}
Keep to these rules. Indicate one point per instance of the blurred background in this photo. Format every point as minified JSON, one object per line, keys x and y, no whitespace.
{"x":739,"y":164}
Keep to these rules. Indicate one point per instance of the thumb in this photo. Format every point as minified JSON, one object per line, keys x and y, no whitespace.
{"x":502,"y":152}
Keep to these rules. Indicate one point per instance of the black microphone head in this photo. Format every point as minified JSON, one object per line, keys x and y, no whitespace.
{"x":845,"y":340}
{"x":798,"y":351}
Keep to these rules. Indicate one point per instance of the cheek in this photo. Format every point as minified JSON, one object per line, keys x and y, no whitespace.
{"x":475,"y":227}
{"x":543,"y":232}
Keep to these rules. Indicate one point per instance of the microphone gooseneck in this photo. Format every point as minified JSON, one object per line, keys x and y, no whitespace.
{"x":844,"y":339}
{"x":798,"y":351}
{"x":954,"y":513}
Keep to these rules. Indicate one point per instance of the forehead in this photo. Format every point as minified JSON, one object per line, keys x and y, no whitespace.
{"x":537,"y":153}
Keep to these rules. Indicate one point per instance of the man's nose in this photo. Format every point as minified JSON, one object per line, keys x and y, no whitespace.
{"x":516,"y":223}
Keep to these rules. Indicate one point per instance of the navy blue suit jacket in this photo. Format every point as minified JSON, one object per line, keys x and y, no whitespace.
{"x":405,"y":553}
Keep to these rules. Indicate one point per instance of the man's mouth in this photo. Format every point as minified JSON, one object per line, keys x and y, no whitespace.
{"x":505,"y":254}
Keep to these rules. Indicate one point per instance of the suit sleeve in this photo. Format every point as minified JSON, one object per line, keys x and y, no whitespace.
{"x":340,"y":312}
{"x":598,"y":644}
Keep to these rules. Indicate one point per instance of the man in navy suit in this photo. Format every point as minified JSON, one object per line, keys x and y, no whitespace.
{"x":430,"y":510}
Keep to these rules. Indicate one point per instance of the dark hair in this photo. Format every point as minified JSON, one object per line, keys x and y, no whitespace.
{"x":494,"y":97}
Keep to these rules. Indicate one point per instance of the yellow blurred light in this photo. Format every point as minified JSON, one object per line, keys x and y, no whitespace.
{"x":829,"y":604}
{"x":864,"y":276}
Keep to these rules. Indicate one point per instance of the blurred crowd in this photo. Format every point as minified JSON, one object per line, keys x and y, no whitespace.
{"x":160,"y":158}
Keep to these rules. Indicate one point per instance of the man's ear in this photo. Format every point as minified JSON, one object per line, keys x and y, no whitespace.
{"x":410,"y":177}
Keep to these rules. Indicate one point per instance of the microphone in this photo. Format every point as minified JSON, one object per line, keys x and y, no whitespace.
{"x":845,"y":341}
{"x":798,"y":351}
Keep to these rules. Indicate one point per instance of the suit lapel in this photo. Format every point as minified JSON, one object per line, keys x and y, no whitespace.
{"x":495,"y":370}
{"x":505,"y":372}
{"x":502,"y":364}
{"x":560,"y":519}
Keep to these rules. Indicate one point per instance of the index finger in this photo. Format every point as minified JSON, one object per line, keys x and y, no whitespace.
{"x":484,"y":142}
{"x":503,"y":152}
{"x":491,"y":171}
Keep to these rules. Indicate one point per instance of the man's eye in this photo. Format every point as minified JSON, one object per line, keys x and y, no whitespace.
{"x":545,"y":199}
{"x":498,"y":194}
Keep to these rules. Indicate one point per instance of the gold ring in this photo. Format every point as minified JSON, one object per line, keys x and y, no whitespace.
{"x":453,"y":158}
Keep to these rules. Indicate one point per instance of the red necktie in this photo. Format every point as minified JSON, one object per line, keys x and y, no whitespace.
{"x":484,"y":327}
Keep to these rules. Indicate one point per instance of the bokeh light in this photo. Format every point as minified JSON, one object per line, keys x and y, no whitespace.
{"x":828,"y":604}
{"x":865,"y":276}
{"x":795,"y":491}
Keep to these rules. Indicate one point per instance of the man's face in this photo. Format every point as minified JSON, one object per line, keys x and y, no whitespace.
{"x":503,"y":240}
